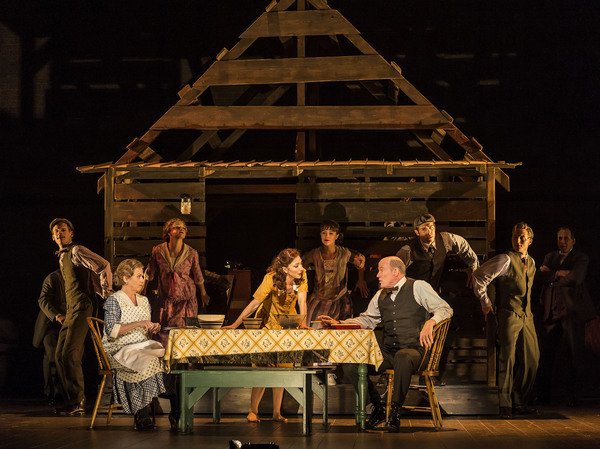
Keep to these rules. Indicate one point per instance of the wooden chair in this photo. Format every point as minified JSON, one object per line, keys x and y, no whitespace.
{"x":104,"y":369}
{"x":428,"y":368}
{"x":231,"y":279}
{"x":96,"y":325}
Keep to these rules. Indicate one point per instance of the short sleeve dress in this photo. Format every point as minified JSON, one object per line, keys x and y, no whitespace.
{"x":330,"y":295}
{"x":275,"y":301}
{"x":132,"y":389}
{"x":177,"y":279}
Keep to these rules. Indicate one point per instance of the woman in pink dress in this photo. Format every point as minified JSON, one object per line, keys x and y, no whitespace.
{"x":177,"y":267}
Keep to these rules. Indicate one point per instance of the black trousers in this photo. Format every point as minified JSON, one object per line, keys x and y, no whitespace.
{"x":572,"y":333}
{"x":403,"y":361}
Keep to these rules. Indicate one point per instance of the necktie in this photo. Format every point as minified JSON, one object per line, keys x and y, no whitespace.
{"x":430,"y":250}
{"x":524,"y":260}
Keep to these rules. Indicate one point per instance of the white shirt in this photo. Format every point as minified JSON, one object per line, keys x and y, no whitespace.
{"x":482,"y":277}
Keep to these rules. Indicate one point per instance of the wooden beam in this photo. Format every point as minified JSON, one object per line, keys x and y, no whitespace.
{"x":157,"y":211}
{"x":390,"y":190}
{"x":238,"y":50}
{"x":155,"y":231}
{"x":251,"y":189}
{"x":297,"y":70}
{"x":360,"y":211}
{"x":299,"y":23}
{"x":361,"y":45}
{"x":474,"y":151}
{"x":301,"y":117}
{"x":425,"y":138}
{"x":158,"y":190}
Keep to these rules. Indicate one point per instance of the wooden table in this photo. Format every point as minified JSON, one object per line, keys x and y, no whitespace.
{"x":243,"y":347}
{"x":300,"y":382}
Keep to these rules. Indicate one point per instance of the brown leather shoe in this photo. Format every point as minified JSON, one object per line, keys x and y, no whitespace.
{"x":72,"y":409}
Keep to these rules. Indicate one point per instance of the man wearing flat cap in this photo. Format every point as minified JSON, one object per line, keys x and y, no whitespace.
{"x":80,"y":268}
{"x":425,"y":255}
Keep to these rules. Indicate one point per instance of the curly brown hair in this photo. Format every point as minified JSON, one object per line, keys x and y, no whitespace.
{"x":126,"y":269}
{"x":281,"y":261}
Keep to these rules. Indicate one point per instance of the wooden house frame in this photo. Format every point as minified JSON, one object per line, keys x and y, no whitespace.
{"x":241,"y":93}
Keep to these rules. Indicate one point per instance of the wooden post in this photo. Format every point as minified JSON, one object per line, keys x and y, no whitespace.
{"x":490,"y":247}
{"x":109,"y":183}
{"x":300,"y":153}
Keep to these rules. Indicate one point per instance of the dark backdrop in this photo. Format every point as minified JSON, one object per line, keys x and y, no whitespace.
{"x":522,"y":79}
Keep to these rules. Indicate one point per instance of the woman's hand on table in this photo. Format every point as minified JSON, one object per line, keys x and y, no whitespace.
{"x":230,"y":326}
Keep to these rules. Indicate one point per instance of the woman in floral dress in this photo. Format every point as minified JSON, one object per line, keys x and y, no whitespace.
{"x":177,"y":267}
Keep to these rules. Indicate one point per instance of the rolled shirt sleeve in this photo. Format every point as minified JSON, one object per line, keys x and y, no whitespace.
{"x":99,"y":265}
{"x":486,"y":273}
{"x":462,"y":248}
{"x":426,"y":296}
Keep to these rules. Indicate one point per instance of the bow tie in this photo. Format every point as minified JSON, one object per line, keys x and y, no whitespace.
{"x":387,"y":291}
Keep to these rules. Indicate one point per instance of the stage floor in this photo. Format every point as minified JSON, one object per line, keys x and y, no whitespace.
{"x":26,"y":424}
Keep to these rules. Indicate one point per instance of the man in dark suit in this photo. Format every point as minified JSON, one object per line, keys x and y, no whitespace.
{"x":567,"y":305}
{"x":53,"y":308}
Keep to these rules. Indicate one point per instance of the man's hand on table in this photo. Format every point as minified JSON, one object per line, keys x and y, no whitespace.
{"x":327,"y":320}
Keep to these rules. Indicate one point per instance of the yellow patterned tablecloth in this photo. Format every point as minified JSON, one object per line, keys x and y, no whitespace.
{"x":341,"y":346}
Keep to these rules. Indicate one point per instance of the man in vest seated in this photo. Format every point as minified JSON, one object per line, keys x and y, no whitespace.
{"x":80,"y":268}
{"x":408,"y":310}
{"x":512,"y":276}
{"x":425,"y":255}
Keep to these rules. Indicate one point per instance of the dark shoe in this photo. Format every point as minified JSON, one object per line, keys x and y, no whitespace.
{"x":377,"y":416}
{"x":142,"y":419}
{"x":174,"y":421}
{"x":382,"y":382}
{"x":72,"y":409}
{"x":437,"y":382}
{"x":523,"y":410}
{"x":506,"y":413}
{"x":393,"y":423}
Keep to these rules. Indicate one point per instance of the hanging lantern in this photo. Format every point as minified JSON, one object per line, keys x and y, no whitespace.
{"x":186,"y":204}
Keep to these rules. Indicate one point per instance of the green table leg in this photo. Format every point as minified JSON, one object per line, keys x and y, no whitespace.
{"x":361,"y":413}
{"x":183,"y":405}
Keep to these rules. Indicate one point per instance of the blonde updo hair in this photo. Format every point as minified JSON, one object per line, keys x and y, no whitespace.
{"x":126,"y":269}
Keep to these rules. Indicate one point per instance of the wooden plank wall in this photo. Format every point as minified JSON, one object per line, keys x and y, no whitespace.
{"x":137,"y":206}
{"x":364,"y":206}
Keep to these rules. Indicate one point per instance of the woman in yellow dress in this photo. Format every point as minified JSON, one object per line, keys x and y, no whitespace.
{"x":283,"y":286}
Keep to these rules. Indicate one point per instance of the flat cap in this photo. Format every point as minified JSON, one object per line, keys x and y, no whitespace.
{"x":61,"y":220}
{"x":422,"y":219}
